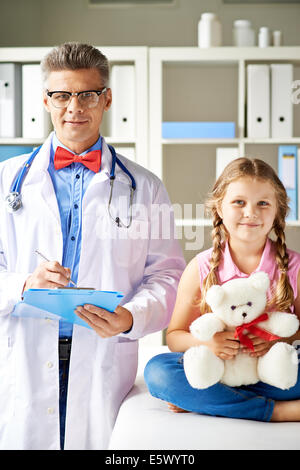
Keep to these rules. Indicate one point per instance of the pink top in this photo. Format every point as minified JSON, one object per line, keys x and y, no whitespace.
{"x":228,"y":270}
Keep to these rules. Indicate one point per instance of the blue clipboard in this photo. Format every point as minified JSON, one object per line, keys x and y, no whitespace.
{"x":59,"y":304}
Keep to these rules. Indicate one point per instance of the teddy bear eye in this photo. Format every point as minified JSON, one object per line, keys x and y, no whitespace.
{"x":233,"y":307}
{"x":249,"y":303}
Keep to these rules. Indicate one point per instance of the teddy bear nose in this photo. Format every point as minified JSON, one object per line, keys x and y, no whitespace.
{"x":244,"y":314}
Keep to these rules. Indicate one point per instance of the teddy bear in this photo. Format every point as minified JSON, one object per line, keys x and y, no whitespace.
{"x":239,"y":305}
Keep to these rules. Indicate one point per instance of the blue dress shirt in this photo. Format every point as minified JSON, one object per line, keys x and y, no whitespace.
{"x":70,"y":184}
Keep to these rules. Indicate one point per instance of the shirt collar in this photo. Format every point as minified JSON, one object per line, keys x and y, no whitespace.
{"x":228,"y":269}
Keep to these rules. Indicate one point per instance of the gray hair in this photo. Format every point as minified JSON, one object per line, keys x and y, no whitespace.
{"x":73,"y":56}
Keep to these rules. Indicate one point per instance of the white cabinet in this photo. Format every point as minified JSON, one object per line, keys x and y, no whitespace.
{"x":135,"y":145}
{"x":193,"y":84}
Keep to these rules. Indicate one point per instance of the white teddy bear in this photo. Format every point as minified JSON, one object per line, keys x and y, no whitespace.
{"x":238,"y":305}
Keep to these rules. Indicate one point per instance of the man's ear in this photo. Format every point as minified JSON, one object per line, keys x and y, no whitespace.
{"x":108,"y":99}
{"x":45,"y":101}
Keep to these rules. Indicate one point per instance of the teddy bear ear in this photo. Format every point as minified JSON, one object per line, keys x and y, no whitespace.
{"x":260,"y":281}
{"x":214,"y":296}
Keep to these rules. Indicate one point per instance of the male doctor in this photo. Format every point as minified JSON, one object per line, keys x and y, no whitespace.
{"x":62,"y":384}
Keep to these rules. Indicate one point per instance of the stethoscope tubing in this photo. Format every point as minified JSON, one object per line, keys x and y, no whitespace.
{"x":15,"y":190}
{"x":17,"y":184}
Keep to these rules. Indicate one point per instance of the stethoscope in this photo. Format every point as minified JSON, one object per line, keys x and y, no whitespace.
{"x":13,"y":200}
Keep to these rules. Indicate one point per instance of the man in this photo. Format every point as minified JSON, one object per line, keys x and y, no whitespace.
{"x":62,"y":384}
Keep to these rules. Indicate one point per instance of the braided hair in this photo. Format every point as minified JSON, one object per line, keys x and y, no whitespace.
{"x":283,"y":296}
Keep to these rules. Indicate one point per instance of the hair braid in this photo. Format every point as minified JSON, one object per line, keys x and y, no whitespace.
{"x":283,"y":296}
{"x":212,"y":277}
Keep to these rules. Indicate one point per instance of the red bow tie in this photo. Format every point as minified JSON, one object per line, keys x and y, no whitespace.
{"x":91,"y":160}
{"x":255,"y":330}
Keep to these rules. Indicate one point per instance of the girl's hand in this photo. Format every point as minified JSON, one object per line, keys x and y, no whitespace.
{"x":224,"y":345}
{"x":261,"y":346}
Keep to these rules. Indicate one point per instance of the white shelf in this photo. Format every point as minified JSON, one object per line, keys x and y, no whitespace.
{"x":272,"y":140}
{"x":200,"y":141}
{"x":235,"y":141}
{"x":20,"y":141}
{"x":162,"y":57}
{"x":115,"y":140}
{"x":224,"y":54}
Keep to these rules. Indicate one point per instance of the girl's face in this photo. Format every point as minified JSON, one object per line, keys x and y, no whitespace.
{"x":248,"y":209}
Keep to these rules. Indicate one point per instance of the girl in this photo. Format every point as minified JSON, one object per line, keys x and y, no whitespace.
{"x":248,"y":201}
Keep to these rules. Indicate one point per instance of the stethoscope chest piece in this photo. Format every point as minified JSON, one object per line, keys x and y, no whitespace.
{"x":13,"y":201}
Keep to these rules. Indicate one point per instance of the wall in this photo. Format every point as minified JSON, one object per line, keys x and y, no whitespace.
{"x":49,"y":22}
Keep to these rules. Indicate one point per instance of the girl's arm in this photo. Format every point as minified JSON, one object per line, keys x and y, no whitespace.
{"x":185,"y":311}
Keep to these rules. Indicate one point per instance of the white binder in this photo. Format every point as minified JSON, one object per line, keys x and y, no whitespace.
{"x":128,"y":152}
{"x":225,"y":155}
{"x":281,"y":103}
{"x":258,"y":101}
{"x":10,"y":100}
{"x":36,"y":120}
{"x":123,"y":101}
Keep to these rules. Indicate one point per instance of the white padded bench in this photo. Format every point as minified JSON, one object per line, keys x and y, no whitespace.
{"x":145,"y":423}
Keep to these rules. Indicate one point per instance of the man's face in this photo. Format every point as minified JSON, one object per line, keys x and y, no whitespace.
{"x":76,"y":126}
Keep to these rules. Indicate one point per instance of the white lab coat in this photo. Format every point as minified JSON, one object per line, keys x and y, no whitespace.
{"x":102,"y":371}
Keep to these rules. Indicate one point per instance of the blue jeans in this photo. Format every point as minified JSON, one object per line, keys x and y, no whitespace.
{"x":165,"y":379}
{"x":63,"y":388}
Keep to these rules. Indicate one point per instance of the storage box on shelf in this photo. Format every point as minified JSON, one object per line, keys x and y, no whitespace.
{"x":204,"y":85}
{"x":136,"y":144}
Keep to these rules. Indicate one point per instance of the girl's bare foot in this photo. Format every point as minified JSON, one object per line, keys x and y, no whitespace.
{"x":286,"y":411}
{"x":176,"y":409}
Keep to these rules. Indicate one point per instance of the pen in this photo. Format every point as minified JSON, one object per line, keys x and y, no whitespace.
{"x":46,"y":259}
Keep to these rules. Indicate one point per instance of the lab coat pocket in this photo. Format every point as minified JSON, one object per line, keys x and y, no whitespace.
{"x":7,"y":374}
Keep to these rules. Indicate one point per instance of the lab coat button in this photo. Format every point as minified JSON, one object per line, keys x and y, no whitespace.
{"x":50,"y":411}
{"x":50,"y":364}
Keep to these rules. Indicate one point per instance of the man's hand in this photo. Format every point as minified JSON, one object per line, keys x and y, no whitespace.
{"x":105,"y":323}
{"x":48,"y":275}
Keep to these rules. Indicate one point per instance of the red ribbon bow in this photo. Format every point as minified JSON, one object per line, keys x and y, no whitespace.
{"x":91,"y":160}
{"x":255,"y":330}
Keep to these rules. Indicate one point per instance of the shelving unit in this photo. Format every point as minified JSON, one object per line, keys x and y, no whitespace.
{"x":138,"y":56}
{"x":183,"y":82}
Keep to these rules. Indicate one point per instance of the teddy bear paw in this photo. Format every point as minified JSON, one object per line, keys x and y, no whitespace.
{"x":279,"y":366}
{"x":202,"y":368}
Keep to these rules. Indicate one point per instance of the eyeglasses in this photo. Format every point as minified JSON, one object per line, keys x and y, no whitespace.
{"x":87,"y":99}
